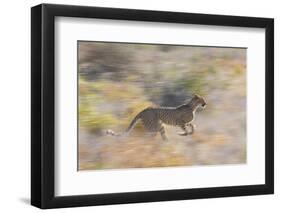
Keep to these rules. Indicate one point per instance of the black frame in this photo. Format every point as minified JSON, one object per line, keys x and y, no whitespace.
{"x":42,"y":105}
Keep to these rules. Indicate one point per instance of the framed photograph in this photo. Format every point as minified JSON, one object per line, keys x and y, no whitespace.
{"x":139,"y":106}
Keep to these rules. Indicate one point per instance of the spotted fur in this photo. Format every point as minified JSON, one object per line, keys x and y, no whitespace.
{"x":154,"y":118}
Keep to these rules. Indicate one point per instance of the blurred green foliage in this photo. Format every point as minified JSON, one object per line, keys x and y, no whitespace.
{"x":94,"y":96}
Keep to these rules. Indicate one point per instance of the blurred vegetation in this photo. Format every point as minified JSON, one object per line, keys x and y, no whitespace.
{"x":116,"y":81}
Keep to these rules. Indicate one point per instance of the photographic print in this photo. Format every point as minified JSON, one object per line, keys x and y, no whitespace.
{"x":160,"y":105}
{"x":165,"y":98}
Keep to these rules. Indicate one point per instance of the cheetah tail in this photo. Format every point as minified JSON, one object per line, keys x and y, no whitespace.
{"x":127,"y":131}
{"x":132,"y":124}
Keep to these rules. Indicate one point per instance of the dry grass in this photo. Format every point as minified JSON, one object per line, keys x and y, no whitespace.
{"x":109,"y":152}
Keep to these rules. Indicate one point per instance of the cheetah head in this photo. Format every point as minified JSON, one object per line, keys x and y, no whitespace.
{"x":200,"y":100}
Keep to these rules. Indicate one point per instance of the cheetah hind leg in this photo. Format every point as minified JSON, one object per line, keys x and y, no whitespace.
{"x":163,"y":133}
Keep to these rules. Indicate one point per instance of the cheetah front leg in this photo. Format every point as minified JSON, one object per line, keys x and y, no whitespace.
{"x":192,"y":126}
{"x":185,"y":131}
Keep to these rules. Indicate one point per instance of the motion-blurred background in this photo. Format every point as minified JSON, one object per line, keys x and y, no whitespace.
{"x":118,"y":80}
